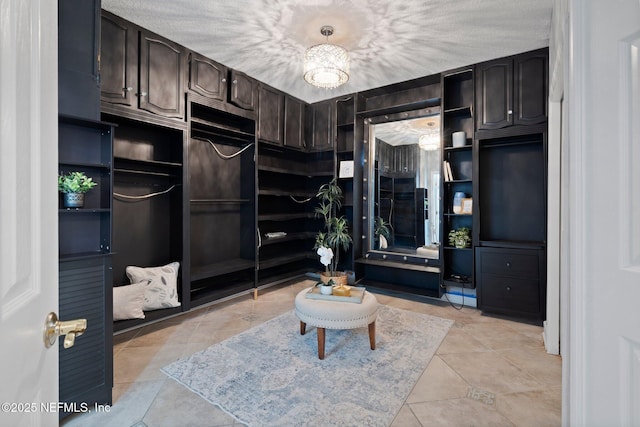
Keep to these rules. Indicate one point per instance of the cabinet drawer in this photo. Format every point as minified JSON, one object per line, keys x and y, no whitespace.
{"x":507,"y":263}
{"x":510,"y":293}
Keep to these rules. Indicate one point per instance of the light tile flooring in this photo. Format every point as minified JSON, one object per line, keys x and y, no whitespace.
{"x":487,"y":372}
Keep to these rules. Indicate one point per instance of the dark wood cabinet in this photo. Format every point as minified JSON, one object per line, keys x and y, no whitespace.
{"x":207,"y":77}
{"x":243,"y":91}
{"x":86,"y":369}
{"x":294,"y":123}
{"x":118,"y":61}
{"x":78,"y":53}
{"x":85,"y":266}
{"x":511,"y":281}
{"x":270,"y":115}
{"x":320,"y":126}
{"x":159,"y":63}
{"x":161,"y":76}
{"x":512,"y":91}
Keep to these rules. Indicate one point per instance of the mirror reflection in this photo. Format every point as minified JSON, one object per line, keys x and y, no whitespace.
{"x":406,"y":188}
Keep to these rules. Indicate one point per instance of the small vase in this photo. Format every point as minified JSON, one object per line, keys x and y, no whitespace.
{"x":457,"y":201}
{"x":326,"y":289}
{"x":73,"y":200}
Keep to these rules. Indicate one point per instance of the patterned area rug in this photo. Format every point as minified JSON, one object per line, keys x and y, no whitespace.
{"x":270,"y":375}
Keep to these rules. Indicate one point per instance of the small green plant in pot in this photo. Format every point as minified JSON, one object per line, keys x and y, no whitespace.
{"x":460,"y":237}
{"x":73,"y":185}
{"x":335,"y":235}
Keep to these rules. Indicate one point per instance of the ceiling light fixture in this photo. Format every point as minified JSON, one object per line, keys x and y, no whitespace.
{"x":429,"y":141}
{"x":326,"y":65}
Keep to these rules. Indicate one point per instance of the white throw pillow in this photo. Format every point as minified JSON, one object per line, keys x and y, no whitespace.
{"x":162,"y":290}
{"x":128,"y":301}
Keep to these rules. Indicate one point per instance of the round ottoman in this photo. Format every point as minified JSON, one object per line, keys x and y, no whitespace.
{"x":325,"y":314}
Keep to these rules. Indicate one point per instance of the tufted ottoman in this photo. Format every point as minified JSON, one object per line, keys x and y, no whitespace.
{"x":336,"y":315}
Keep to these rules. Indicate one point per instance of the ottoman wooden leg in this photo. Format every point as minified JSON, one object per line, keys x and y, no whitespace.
{"x":372,"y":335}
{"x":303,"y":328}
{"x":321,"y":343}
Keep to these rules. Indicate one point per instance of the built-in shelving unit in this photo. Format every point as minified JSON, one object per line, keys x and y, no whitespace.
{"x":288,"y":181}
{"x":457,"y":107}
{"x":222,"y":200}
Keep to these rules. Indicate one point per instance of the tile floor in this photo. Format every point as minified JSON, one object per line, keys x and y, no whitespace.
{"x":487,"y":372}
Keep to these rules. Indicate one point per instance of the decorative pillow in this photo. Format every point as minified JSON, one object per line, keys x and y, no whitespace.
{"x":128,"y":300}
{"x":162,"y":290}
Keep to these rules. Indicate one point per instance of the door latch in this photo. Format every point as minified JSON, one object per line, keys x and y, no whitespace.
{"x":53,"y":328}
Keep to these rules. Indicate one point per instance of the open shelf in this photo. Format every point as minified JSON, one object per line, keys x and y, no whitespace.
{"x":220,"y":268}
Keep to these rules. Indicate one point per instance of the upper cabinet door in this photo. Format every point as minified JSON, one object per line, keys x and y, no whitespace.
{"x":118,"y":60}
{"x":494,"y":96}
{"x":207,"y":78}
{"x":531,"y":76}
{"x":322,"y":118}
{"x":513,"y":91}
{"x":294,"y":123}
{"x":161,"y":69}
{"x":270,"y":115}
{"x":243,"y":91}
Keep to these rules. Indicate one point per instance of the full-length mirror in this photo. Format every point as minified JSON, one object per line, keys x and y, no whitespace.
{"x":404,"y":170}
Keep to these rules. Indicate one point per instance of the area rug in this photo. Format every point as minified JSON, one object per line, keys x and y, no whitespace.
{"x":270,"y":375}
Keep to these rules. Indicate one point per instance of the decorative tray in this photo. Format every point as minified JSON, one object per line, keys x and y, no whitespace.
{"x":356,"y":295}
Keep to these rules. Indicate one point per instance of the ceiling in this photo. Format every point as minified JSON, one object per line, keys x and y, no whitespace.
{"x":388,"y":41}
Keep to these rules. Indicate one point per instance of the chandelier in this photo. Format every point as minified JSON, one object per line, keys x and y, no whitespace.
{"x":429,"y":141}
{"x":326,"y":65}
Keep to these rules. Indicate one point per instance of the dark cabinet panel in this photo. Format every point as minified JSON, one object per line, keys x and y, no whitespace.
{"x":86,"y":369}
{"x":118,"y":60}
{"x":270,"y":115}
{"x":207,"y":78}
{"x":78,"y":52}
{"x":294,"y":123}
{"x":511,"y":281}
{"x":243,"y":91}
{"x":531,"y":75}
{"x":161,"y":70}
{"x":320,"y":126}
{"x":494,"y":97}
{"x":153,"y":73}
{"x":512,"y":91}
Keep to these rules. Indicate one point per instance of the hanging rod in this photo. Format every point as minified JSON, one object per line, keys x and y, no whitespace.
{"x":222,"y":155}
{"x":300,"y":201}
{"x":144,"y":196}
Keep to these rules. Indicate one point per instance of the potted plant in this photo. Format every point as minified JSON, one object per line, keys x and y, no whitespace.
{"x":460,"y":237}
{"x":335,"y":234}
{"x":381,"y":232}
{"x":73,"y":186}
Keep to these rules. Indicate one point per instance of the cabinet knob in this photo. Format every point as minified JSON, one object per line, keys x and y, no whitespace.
{"x":509,"y":112}
{"x":224,"y":80}
{"x":128,"y":89}
{"x":234,"y":81}
{"x":508,"y":264}
{"x":142,"y":94}
{"x":508,"y":288}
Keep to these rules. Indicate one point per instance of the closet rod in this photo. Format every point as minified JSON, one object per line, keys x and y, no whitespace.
{"x":144,"y":196}
{"x":221,"y":154}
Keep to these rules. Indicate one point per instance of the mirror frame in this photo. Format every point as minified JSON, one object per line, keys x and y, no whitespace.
{"x":369,"y":187}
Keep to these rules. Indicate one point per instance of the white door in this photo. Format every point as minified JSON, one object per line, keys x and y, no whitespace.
{"x":28,"y":207}
{"x":602,"y":366}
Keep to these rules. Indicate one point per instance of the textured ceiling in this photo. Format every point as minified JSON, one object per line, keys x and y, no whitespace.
{"x":389,"y":41}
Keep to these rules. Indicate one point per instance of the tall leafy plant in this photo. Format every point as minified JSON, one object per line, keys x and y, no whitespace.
{"x":335,"y":235}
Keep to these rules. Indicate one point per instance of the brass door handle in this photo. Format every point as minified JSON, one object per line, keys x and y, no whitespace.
{"x":53,"y":328}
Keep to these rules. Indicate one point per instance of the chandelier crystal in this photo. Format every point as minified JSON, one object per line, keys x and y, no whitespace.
{"x":326,"y":65}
